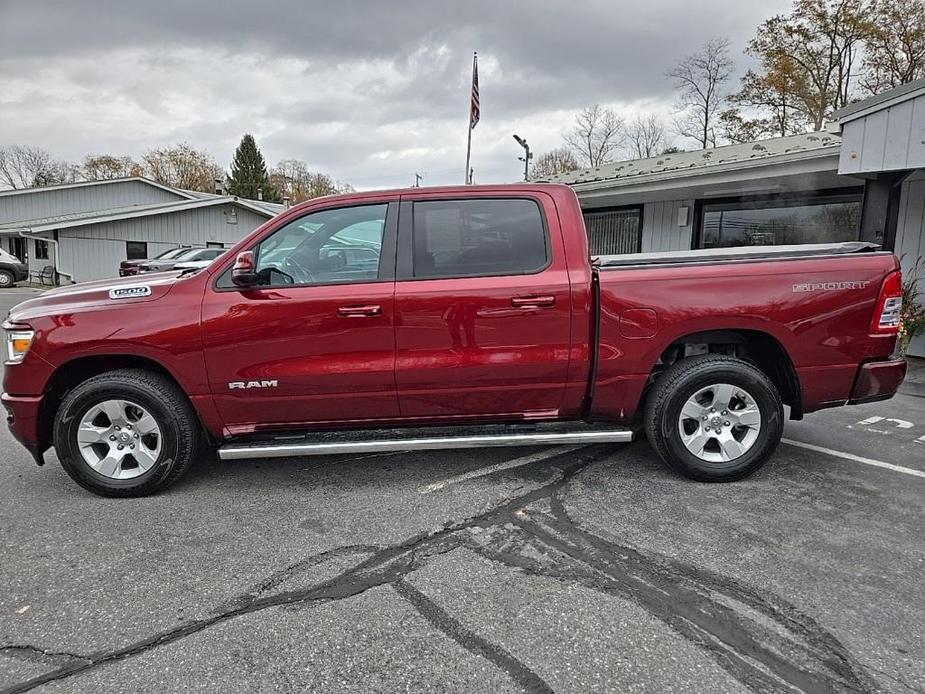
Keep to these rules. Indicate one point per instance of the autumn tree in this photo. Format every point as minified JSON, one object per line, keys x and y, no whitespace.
{"x":807,"y":63}
{"x":555,"y":161}
{"x":22,"y":166}
{"x":895,"y":48}
{"x":99,"y":167}
{"x":294,"y":180}
{"x":645,"y":136}
{"x":181,"y":166}
{"x":248,"y":177}
{"x":700,"y":79}
{"x":596,"y":137}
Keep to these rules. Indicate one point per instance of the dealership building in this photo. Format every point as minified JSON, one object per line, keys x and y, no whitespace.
{"x":82,"y":231}
{"x":861,"y":179}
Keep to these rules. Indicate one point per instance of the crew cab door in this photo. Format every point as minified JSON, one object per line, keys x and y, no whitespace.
{"x":314,"y":342}
{"x":482,"y":307}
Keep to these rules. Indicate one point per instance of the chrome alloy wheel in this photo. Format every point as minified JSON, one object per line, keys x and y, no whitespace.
{"x":119,"y":439}
{"x":719,"y":423}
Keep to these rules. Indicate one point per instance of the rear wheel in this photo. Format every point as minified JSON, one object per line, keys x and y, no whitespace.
{"x":6,"y":279}
{"x":714,"y":418}
{"x":126,"y":433}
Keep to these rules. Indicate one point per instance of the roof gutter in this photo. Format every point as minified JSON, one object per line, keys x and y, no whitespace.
{"x":681,"y":176}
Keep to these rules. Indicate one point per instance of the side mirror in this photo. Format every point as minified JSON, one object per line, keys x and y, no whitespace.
{"x":244,"y":272}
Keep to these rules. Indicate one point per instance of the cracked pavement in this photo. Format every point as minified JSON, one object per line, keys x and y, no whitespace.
{"x":590,"y":570}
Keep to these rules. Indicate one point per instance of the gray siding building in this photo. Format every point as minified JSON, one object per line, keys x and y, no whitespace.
{"x":861,"y":179}
{"x":83,"y":231}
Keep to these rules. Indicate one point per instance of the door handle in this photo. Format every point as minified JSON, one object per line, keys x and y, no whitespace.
{"x":359,"y":311}
{"x":533,"y":301}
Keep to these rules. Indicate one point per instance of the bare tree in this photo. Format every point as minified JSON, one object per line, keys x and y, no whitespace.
{"x":555,"y":161}
{"x":99,"y":167}
{"x":181,"y":166}
{"x":645,"y":136}
{"x":26,"y":167}
{"x":296,"y":181}
{"x":700,"y":79}
{"x":895,"y":47}
{"x":597,"y":135}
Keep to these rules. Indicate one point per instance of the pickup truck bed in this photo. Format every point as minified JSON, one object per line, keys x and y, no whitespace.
{"x":477,"y":308}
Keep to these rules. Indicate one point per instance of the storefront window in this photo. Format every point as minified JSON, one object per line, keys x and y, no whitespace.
{"x":776,"y":222}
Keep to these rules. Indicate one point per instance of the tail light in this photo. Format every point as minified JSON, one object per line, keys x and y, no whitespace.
{"x":885,"y":320}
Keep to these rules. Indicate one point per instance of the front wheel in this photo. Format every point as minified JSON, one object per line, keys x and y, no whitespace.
{"x":6,"y":278}
{"x":126,"y":433}
{"x":714,"y":418}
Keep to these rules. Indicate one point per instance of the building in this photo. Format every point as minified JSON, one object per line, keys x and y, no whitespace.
{"x":862,"y":179}
{"x":82,"y":231}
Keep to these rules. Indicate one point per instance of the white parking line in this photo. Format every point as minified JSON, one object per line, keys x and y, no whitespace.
{"x":506,"y":465}
{"x":856,"y":458}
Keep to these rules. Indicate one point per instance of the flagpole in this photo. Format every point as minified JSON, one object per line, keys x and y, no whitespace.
{"x":468,"y":179}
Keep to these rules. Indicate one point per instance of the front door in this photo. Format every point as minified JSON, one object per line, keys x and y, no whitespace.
{"x":482,"y":308}
{"x":314,"y":343}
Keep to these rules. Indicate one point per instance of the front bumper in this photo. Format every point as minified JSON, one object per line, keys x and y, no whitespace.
{"x":878,"y":380}
{"x":20,"y":272}
{"x":22,"y":417}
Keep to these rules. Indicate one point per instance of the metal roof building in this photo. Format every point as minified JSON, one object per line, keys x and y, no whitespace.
{"x":862,"y":179}
{"x":83,"y":230}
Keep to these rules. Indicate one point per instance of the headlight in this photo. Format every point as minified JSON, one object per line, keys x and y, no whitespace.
{"x":18,"y":342}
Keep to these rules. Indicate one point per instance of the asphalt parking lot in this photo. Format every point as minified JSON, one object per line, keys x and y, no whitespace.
{"x":566,"y":570}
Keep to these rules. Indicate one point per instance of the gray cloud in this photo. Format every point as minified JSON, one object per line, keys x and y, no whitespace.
{"x":371,"y":91}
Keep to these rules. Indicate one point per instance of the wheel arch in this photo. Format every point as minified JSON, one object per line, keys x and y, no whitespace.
{"x":71,"y":373}
{"x":760,"y":348}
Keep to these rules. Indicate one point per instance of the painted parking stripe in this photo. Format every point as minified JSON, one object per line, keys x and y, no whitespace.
{"x":506,"y":465}
{"x":856,"y":458}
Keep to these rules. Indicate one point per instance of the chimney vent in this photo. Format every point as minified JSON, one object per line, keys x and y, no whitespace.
{"x":260,"y":193}
{"x":286,"y":202}
{"x":219,"y":188}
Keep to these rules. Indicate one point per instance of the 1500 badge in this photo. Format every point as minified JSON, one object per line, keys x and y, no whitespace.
{"x":829,"y":286}
{"x":130,"y":292}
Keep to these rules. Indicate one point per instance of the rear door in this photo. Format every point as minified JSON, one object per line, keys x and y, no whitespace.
{"x":482,"y":307}
{"x":315,"y":342}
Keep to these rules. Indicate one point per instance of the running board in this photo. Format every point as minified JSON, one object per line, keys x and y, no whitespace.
{"x":333,"y":444}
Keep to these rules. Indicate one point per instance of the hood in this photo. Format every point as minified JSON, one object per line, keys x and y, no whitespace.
{"x":120,"y":291}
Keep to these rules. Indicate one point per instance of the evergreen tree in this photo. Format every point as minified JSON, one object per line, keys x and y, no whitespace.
{"x":249,"y":173}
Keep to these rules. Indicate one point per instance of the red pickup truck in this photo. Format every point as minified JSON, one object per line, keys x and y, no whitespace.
{"x":447,"y":317}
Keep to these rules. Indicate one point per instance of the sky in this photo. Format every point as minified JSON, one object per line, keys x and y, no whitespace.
{"x":368,"y":92}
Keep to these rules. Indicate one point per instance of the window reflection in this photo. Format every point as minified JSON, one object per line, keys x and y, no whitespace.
{"x":773,"y":223}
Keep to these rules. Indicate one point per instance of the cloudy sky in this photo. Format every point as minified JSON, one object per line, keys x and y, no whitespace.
{"x":369,"y":92}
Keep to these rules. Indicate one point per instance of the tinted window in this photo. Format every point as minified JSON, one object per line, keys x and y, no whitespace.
{"x":458,"y":238}
{"x":136,"y":250}
{"x":327,"y":247}
{"x":774,"y":223}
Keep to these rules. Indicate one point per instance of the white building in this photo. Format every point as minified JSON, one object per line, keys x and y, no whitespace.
{"x":82,"y":231}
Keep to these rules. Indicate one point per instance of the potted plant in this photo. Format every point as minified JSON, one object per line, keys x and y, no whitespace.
{"x":912,"y":316}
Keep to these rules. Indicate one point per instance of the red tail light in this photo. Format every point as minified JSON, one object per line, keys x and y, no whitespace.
{"x":885,"y":320}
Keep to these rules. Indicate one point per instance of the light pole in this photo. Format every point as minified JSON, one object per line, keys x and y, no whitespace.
{"x":528,"y":155}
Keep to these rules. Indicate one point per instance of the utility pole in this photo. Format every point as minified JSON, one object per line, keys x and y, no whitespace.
{"x":528,"y":155}
{"x":417,"y":180}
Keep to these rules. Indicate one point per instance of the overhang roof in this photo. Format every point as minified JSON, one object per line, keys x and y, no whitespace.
{"x":75,"y":219}
{"x":891,"y":97}
{"x":108,"y":181}
{"x":682,"y":165}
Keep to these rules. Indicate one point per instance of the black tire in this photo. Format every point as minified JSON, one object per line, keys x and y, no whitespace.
{"x":6,"y":279}
{"x":166,"y":403}
{"x":682,"y":381}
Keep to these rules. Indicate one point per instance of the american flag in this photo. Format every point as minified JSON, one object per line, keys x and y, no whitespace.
{"x":474,"y":110}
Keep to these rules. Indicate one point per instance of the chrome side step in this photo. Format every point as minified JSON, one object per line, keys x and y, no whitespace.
{"x":282,"y":448}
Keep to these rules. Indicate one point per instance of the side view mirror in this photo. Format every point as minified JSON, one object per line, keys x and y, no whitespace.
{"x":244,"y":272}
